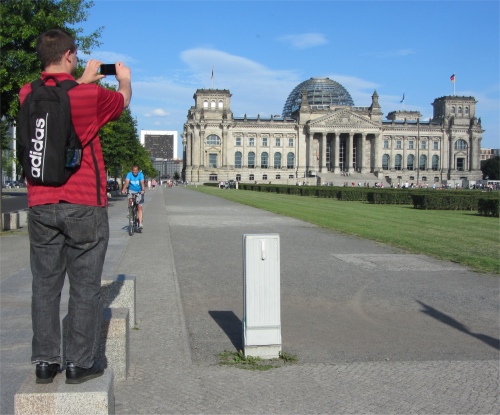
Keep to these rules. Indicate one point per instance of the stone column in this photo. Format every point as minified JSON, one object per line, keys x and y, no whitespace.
{"x":323,"y":167}
{"x":196,"y":147}
{"x":362,"y":165}
{"x":392,"y":144}
{"x":336,"y":140}
{"x":202,"y":148}
{"x":350,"y":153}
{"x":404,"y":162}
{"x":224,"y":147}
{"x":257,"y":162}
{"x":244,"y":155}
{"x":377,"y":162}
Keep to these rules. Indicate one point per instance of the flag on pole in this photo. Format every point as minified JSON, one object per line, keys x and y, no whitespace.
{"x":452,"y":78}
{"x":212,"y":77}
{"x":403,"y":99}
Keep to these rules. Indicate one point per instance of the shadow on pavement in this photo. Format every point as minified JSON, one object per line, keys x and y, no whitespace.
{"x":446,"y":319}
{"x":232,"y":326}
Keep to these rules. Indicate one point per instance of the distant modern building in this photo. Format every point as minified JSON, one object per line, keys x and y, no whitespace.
{"x":489,"y":153}
{"x":321,"y":136}
{"x":167,"y":168}
{"x":160,"y":144}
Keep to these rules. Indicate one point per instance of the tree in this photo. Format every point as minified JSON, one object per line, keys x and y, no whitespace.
{"x":121,"y":147}
{"x":22,"y":23}
{"x":491,"y":168}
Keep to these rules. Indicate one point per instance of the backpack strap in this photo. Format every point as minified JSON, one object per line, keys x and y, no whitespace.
{"x":97,"y":175}
{"x":66,"y":84}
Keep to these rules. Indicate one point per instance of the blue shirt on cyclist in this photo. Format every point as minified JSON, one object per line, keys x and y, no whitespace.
{"x":134,"y":184}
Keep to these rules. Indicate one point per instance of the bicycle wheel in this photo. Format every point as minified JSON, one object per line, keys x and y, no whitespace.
{"x":131,"y":220}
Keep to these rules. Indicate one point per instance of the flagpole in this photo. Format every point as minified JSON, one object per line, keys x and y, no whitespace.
{"x":212,"y":77}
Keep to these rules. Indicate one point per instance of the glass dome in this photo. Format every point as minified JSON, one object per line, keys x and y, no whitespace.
{"x":320,"y":91}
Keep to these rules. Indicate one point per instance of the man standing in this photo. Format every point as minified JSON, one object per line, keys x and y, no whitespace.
{"x":134,"y":182}
{"x":68,"y":225}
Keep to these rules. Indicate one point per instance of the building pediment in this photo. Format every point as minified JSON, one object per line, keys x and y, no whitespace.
{"x":344,"y":119}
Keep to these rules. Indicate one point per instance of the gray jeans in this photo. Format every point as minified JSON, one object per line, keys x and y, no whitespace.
{"x":72,"y":239}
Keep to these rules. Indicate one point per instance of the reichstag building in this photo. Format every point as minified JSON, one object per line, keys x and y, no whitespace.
{"x":322,"y":137}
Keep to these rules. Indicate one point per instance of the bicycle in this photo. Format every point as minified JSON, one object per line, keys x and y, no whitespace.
{"x":133,"y":216}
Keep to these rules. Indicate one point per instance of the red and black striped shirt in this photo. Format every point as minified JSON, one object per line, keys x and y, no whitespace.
{"x":92,"y":106}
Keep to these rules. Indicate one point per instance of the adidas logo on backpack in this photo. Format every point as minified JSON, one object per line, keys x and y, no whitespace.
{"x":47,"y":145}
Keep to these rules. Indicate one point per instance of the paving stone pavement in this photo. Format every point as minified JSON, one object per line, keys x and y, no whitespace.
{"x":376,"y":330}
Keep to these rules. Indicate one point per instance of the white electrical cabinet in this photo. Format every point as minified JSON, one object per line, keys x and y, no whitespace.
{"x":261,"y":296}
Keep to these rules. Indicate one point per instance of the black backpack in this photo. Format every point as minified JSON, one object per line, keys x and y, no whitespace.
{"x":47,"y":145}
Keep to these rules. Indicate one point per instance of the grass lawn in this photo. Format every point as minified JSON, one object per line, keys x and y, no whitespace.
{"x":459,"y":236}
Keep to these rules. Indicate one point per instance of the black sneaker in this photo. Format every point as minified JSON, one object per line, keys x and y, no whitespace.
{"x":45,"y":372}
{"x":75,"y":374}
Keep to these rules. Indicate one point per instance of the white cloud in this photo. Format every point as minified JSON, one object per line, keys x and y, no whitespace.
{"x":253,"y":85}
{"x":158,"y":112}
{"x":255,"y":88}
{"x":361,"y":90}
{"x":110,"y":57}
{"x":304,"y":41}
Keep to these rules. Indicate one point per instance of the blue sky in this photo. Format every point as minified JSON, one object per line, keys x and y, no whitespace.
{"x":261,"y":50}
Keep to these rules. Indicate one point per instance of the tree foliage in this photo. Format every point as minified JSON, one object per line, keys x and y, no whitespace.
{"x":121,"y":147}
{"x":22,"y":23}
{"x":491,"y":168}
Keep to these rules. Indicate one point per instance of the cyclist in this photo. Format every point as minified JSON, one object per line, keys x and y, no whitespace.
{"x":134,"y":182}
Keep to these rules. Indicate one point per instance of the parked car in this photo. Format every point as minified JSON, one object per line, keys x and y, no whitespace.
{"x":112,"y":185}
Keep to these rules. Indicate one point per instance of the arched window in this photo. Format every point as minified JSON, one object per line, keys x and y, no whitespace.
{"x":205,"y":104}
{"x":220,"y":104}
{"x":423,"y":162}
{"x":277,"y":160}
{"x":237,"y":160}
{"x":466,"y":110}
{"x":397,"y":161}
{"x":460,"y":145}
{"x":435,"y":162}
{"x":290,"y":160}
{"x":410,"y":161}
{"x":385,"y":162}
{"x":453,"y":110}
{"x":264,"y":160}
{"x":460,"y":110}
{"x":213,"y":140}
{"x":251,"y":160}
{"x":212,"y":104}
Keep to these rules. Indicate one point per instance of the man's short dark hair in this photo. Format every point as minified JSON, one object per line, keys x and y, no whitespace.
{"x":52,"y":45}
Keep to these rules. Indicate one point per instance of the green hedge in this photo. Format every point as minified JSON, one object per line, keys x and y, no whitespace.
{"x":390,"y":197}
{"x":420,"y":198}
{"x":451,"y":201}
{"x":488,"y":207}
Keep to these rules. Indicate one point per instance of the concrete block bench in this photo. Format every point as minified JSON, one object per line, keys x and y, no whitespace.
{"x":114,"y":346}
{"x":10,"y":221}
{"x":118,"y":291}
{"x":15,"y":220}
{"x":113,"y":349}
{"x":95,"y":396}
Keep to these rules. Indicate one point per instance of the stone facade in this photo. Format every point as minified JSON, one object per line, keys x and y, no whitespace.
{"x":321,"y":143}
